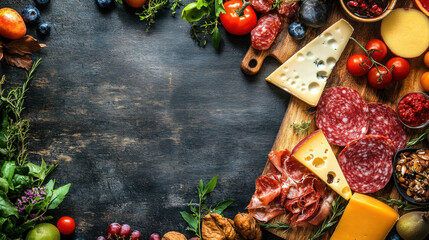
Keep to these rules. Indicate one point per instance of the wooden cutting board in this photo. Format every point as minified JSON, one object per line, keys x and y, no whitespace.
{"x":298,"y":111}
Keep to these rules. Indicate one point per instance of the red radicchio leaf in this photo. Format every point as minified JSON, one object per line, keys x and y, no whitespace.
{"x":18,"y":60}
{"x":23,"y":46}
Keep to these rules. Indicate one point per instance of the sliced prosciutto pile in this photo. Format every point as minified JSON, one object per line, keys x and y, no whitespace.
{"x":290,"y":189}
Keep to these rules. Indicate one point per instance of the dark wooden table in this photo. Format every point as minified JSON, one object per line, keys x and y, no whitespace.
{"x":136,"y":119}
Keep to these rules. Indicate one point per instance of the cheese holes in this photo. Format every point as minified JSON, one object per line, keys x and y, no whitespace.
{"x":333,"y":44}
{"x":318,"y":163}
{"x":330,"y":177}
{"x":310,"y":55}
{"x":300,"y":57}
{"x":331,"y":62}
{"x":346,"y":190}
{"x":314,"y":88}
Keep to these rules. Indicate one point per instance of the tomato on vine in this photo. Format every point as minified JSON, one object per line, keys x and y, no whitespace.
{"x":379,"y":79}
{"x":358,"y":64}
{"x":400,"y":68}
{"x":135,"y":3}
{"x":239,"y":18}
{"x":377,"y":49}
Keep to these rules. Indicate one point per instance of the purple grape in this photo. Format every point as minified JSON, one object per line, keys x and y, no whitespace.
{"x":125,"y":230}
{"x":135,"y":235}
{"x":113,"y":228}
{"x":155,"y":236}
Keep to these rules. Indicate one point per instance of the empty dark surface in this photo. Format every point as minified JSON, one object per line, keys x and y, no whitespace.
{"x":136,"y":119}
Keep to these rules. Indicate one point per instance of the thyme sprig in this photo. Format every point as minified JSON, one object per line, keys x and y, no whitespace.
{"x":337,"y":209}
{"x":302,"y":127}
{"x":401,"y":204}
{"x":374,"y":63}
{"x":201,"y":31}
{"x":277,"y":226}
{"x":418,"y":139}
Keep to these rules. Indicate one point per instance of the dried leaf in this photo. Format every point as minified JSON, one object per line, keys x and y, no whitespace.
{"x":1,"y":54}
{"x":18,"y":60}
{"x":23,"y":46}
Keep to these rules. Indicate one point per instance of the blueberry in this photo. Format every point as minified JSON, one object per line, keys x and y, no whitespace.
{"x":104,"y":4}
{"x":42,"y":3}
{"x":297,"y":30}
{"x":44,"y":29}
{"x":30,"y":14}
{"x":393,"y":235}
{"x":79,"y":238}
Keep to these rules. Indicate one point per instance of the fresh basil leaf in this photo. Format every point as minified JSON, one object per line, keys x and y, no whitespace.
{"x":40,"y":172}
{"x":58,"y":196}
{"x":212,"y":184}
{"x":221,"y":206}
{"x":219,"y":8}
{"x":7,"y":208}
{"x":203,"y":3}
{"x":216,"y":41}
{"x":4,"y":186}
{"x":192,"y":13}
{"x":21,"y":181}
{"x":191,"y":220}
{"x":7,"y":170}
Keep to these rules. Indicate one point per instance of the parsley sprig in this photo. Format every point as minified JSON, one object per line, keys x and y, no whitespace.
{"x":194,"y":218}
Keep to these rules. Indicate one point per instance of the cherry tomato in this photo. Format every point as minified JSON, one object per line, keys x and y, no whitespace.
{"x":424,"y":81}
{"x":373,"y":77}
{"x":401,"y":69}
{"x":235,"y":24}
{"x":427,"y":59}
{"x":358,"y":64}
{"x":135,"y":3}
{"x":378,"y":48}
{"x":66,"y":225}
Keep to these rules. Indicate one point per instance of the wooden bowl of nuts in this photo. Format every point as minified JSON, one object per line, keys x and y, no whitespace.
{"x":411,"y":175}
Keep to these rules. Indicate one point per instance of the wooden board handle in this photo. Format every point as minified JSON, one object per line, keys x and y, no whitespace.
{"x":252,"y":61}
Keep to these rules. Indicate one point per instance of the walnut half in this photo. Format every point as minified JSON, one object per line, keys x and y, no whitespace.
{"x":216,"y":227}
{"x":247,"y":227}
{"x":174,"y":236}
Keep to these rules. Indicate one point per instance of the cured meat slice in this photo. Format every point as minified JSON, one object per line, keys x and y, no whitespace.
{"x":289,"y":9}
{"x":384,"y":121}
{"x":266,"y":30}
{"x":287,"y":165}
{"x":367,"y":163}
{"x":342,"y":115}
{"x":266,"y":213}
{"x":324,"y":210}
{"x":262,"y":6}
{"x":267,"y":189}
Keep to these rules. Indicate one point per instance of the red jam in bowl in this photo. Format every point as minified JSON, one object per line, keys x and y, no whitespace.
{"x":367,"y":8}
{"x":413,"y":109}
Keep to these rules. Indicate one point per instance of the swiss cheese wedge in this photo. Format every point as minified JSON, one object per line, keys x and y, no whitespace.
{"x":365,"y":218}
{"x":305,"y":74}
{"x":316,"y":154}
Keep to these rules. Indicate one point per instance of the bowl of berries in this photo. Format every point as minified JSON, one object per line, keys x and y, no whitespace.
{"x":367,"y":10}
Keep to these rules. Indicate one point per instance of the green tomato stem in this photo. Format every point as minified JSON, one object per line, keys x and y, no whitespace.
{"x":240,"y":11}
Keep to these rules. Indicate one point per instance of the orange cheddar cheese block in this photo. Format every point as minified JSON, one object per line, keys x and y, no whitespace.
{"x":365,"y":218}
{"x":316,"y":154}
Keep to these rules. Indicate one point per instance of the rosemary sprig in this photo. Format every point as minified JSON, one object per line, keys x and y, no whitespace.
{"x":278,"y":226}
{"x":301,"y":127}
{"x":401,"y":204}
{"x":374,"y":63}
{"x":174,"y":5}
{"x":337,"y":209}
{"x":418,"y":139}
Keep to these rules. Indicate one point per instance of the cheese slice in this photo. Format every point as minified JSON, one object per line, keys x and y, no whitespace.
{"x":365,"y":218}
{"x":304,"y":75}
{"x":316,"y":154}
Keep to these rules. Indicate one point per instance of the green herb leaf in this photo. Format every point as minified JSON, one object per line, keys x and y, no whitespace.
{"x":210,"y":186}
{"x":337,"y":209}
{"x":418,"y":139}
{"x":303,"y":127}
{"x":4,"y":186}
{"x":221,"y":206}
{"x":216,"y":38}
{"x":401,"y":204}
{"x":119,"y":2}
{"x":58,"y":196}
{"x":191,"y":220}
{"x":193,"y":13}
{"x":278,"y":226}
{"x":7,"y":208}
{"x":219,"y":8}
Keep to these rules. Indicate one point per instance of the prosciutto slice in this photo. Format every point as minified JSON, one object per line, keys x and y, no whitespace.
{"x":292,"y":189}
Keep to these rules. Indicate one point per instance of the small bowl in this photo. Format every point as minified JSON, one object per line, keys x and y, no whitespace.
{"x":389,"y":8}
{"x":397,"y":104}
{"x":401,"y":191}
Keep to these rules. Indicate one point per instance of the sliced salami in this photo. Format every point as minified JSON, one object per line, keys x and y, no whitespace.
{"x":289,"y":9}
{"x":367,"y":163}
{"x":262,"y":6}
{"x":342,"y":115}
{"x":384,"y":121}
{"x":266,"y":30}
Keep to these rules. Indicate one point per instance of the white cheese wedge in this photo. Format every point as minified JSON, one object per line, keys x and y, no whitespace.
{"x":304,"y":75}
{"x":316,"y":154}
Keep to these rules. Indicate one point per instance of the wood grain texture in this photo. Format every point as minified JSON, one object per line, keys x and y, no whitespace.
{"x":298,"y":111}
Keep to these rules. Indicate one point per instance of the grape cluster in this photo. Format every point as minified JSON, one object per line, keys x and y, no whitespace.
{"x":117,"y":232}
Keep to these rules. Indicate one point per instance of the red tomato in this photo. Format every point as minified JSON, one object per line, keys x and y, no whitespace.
{"x":66,"y":225}
{"x":378,"y":49}
{"x":12,"y":25}
{"x":358,"y":64}
{"x":135,"y":3}
{"x":401,"y":69}
{"x":424,"y":81}
{"x":373,"y":77}
{"x":235,"y":24}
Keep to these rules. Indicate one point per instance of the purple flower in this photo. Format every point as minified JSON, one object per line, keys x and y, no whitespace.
{"x":31,"y":197}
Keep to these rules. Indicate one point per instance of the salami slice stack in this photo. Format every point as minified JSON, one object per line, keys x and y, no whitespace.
{"x":384,"y":121}
{"x":342,"y":115}
{"x":367,"y":163}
